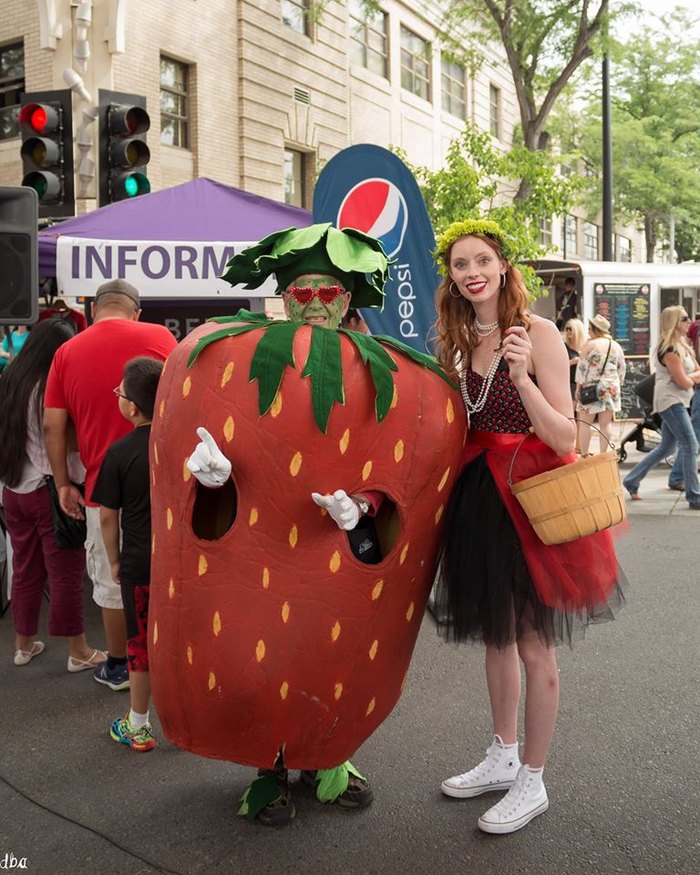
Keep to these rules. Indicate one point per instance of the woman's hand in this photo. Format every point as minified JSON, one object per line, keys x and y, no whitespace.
{"x":517,"y":351}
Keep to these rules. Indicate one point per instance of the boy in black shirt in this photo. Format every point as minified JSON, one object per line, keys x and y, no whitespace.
{"x":123,"y":485}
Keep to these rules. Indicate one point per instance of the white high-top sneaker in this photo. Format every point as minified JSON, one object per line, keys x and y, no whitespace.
{"x":496,"y":772}
{"x":526,"y":799}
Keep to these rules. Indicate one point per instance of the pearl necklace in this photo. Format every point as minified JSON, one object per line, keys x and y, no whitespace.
{"x":485,"y":330}
{"x":478,"y":405}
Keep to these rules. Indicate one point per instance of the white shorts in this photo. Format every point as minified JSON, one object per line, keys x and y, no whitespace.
{"x":105,"y":592}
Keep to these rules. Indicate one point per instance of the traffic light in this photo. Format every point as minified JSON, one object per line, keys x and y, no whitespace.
{"x":19,"y":289}
{"x":123,"y":153}
{"x":46,"y":123}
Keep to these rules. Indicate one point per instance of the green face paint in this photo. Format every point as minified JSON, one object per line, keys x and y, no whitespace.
{"x":316,"y":311}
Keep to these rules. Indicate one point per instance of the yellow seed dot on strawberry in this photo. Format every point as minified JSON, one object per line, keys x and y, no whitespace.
{"x":335,"y":631}
{"x":373,"y":649}
{"x":253,"y":518}
{"x":449,"y":411}
{"x":370,"y":707}
{"x":293,"y":537}
{"x":190,"y":654}
{"x":344,"y":441}
{"x":229,"y":429}
{"x":227,"y":374}
{"x":155,"y":453}
{"x":334,"y":564}
{"x":338,"y":691}
{"x":186,"y":473}
{"x":409,"y":612}
{"x":395,"y":397}
{"x":260,"y":650}
{"x":171,"y":588}
{"x":161,"y":408}
{"x":155,"y":632}
{"x":438,"y":513}
{"x":295,"y":464}
{"x":169,"y":519}
{"x":404,"y":554}
{"x":377,"y":590}
{"x":285,"y":612}
{"x":441,"y":484}
{"x":266,"y":578}
{"x":202,"y":565}
{"x":212,"y":681}
{"x":186,"y":386}
{"x":367,"y":470}
{"x":284,"y":690}
{"x":216,"y":623}
{"x":153,"y":545}
{"x":276,"y":406}
{"x":398,"y":451}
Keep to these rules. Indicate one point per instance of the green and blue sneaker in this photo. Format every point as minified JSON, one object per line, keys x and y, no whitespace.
{"x":140,"y":739}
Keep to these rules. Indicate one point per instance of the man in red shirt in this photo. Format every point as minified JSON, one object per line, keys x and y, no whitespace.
{"x":79,"y":391}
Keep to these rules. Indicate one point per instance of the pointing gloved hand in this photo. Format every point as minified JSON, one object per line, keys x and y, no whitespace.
{"x":341,"y":508}
{"x":208,"y":464}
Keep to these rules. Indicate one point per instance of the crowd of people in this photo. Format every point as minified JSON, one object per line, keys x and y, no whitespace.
{"x":77,"y":407}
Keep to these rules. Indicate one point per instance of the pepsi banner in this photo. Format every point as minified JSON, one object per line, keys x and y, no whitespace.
{"x":369,"y":188}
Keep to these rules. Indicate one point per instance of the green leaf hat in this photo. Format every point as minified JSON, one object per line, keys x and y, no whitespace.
{"x":356,"y":259}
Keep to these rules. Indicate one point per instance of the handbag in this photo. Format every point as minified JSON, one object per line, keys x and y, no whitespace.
{"x":589,"y":394}
{"x":68,"y":533}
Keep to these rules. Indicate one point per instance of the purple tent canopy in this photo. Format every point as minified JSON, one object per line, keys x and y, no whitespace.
{"x":201,"y":210}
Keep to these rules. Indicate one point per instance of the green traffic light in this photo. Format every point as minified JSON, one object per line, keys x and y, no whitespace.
{"x":131,"y":187}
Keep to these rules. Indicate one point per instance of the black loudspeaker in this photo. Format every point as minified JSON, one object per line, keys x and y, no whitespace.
{"x":19,"y":256}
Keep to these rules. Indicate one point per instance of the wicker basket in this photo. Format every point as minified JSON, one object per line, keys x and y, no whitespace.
{"x":574,"y":500}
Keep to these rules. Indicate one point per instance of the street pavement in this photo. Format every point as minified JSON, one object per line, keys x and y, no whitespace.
{"x":622,"y":776}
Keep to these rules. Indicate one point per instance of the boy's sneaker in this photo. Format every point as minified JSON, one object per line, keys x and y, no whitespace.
{"x":116,"y":678}
{"x":140,"y":739}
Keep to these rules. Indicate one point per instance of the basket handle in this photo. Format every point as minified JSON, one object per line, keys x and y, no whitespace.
{"x":509,"y":479}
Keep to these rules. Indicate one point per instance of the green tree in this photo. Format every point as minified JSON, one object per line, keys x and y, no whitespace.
{"x":655,"y":82}
{"x":477,"y":178}
{"x":545,"y":42}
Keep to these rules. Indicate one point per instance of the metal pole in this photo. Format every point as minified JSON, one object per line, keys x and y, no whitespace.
{"x":607,"y":166}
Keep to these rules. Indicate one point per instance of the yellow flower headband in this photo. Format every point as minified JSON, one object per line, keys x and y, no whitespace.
{"x":454,"y":231}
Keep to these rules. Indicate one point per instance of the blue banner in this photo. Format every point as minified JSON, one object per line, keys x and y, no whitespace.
{"x":369,"y":188}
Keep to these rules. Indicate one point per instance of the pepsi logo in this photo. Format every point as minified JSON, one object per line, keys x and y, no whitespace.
{"x":376,"y":207}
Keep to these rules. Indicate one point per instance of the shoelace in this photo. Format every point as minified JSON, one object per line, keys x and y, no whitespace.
{"x":511,"y":801}
{"x":484,"y":768}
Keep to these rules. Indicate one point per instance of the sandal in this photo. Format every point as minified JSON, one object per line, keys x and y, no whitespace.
{"x":22,"y":657}
{"x":77,"y":664}
{"x":358,"y":793}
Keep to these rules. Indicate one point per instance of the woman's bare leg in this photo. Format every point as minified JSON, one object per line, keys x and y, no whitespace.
{"x":541,"y":697}
{"x":503,"y":681}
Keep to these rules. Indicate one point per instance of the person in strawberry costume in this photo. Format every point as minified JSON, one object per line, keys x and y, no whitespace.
{"x":359,"y":413}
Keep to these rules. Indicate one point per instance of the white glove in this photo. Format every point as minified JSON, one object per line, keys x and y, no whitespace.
{"x":341,"y":508}
{"x":208,"y":464}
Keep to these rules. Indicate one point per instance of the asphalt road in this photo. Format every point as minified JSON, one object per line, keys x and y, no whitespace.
{"x":622,"y":777}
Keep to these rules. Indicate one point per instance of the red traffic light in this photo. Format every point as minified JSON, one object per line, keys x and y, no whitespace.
{"x":38,"y":118}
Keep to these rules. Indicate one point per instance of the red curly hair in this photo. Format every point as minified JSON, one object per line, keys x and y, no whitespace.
{"x":455,"y":329}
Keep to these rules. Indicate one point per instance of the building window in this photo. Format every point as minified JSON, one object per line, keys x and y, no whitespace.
{"x":295,"y":14}
{"x":11,"y":88}
{"x":295,"y":170}
{"x":369,"y":44}
{"x":624,"y":248}
{"x":415,"y":64}
{"x":546,"y":233}
{"x":495,"y":111}
{"x":174,"y":121}
{"x":454,"y":89}
{"x":590,"y":240}
{"x":569,"y":241}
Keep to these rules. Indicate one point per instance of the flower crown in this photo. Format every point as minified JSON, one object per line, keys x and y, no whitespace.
{"x":455,"y":230}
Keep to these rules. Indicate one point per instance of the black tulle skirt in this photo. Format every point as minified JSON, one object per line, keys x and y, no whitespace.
{"x":484,"y":590}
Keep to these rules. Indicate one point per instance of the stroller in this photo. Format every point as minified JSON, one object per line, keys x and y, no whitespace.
{"x":644,"y":390}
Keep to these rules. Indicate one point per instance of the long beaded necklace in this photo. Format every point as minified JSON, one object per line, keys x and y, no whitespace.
{"x":478,"y":405}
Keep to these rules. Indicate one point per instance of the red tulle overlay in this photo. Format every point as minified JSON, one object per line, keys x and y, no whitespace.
{"x":578,"y":574}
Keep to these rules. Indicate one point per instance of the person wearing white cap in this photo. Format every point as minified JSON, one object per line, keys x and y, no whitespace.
{"x":601,"y":371}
